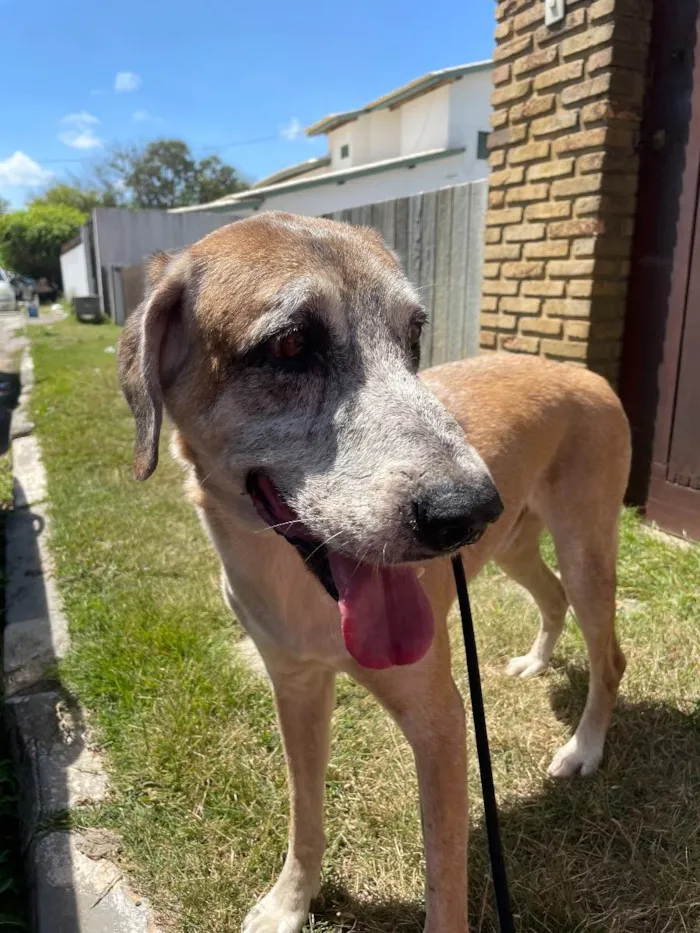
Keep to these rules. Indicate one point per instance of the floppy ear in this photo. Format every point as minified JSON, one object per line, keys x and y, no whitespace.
{"x":141,"y":358}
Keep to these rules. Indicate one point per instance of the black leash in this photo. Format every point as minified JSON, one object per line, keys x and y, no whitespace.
{"x":498,"y":868}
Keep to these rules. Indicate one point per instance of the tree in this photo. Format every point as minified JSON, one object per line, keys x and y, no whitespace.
{"x":165,"y":174}
{"x":4,"y":205}
{"x":76,"y":196}
{"x":31,"y":240}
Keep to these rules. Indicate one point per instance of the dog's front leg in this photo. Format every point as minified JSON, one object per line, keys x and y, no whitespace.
{"x":304,"y":696}
{"x":425,"y":702}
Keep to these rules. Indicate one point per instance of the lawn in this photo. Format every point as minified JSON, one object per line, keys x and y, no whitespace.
{"x":189,"y":732}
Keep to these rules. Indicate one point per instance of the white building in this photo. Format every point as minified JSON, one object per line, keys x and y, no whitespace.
{"x":429,"y":134}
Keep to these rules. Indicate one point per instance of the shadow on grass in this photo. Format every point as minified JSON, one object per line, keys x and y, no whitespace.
{"x":618,"y":852}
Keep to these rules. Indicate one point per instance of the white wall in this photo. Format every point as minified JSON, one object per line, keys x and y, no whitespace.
{"x":383,"y":186}
{"x":74,"y":272}
{"x":425,"y":121}
{"x":470,"y":109}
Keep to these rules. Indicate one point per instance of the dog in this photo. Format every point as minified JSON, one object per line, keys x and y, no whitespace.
{"x":334,"y":481}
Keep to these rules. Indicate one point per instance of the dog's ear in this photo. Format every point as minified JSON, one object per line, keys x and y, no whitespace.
{"x":142,"y":356}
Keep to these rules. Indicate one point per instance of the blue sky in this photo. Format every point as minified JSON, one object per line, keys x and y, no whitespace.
{"x":83,"y":74}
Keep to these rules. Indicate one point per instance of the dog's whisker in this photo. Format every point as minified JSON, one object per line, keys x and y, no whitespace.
{"x":322,"y":544}
{"x":288,"y":524}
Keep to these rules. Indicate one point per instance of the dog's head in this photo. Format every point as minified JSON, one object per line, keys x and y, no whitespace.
{"x":285,"y":350}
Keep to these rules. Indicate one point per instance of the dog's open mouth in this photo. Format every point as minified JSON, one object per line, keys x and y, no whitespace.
{"x":386,"y":618}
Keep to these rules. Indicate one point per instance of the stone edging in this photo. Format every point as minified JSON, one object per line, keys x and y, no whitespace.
{"x":73,"y":884}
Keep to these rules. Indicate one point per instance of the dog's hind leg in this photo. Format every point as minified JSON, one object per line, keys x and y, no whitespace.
{"x":587,"y":558}
{"x":304,"y":695}
{"x":522,"y":561}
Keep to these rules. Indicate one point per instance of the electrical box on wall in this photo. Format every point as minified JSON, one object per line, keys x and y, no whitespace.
{"x":554,"y":11}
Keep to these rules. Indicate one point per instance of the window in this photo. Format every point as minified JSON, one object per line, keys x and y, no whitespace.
{"x":482,"y":146}
{"x":344,"y":151}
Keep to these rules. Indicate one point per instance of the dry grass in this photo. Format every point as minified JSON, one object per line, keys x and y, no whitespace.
{"x":199,"y":789}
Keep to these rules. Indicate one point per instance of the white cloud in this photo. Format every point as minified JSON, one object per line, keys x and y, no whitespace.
{"x":80,"y":133}
{"x":127,"y":81}
{"x":141,"y":116}
{"x":292,"y":130}
{"x":20,"y":169}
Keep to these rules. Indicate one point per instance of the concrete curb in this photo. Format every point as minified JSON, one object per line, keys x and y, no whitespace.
{"x":74,"y":884}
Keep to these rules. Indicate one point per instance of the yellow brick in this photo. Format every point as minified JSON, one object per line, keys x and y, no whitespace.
{"x":568,"y":307}
{"x":573,"y":20}
{"x":489,"y":302}
{"x":578,"y":330}
{"x":571,"y":187}
{"x":595,"y":87}
{"x":503,"y":251}
{"x":543,"y":326}
{"x":587,"y":139}
{"x":507,"y":136}
{"x":487,"y":340}
{"x":565,"y":349}
{"x":534,"y":107}
{"x":503,"y":30}
{"x":501,"y":75}
{"x":490,"y":270}
{"x":557,"y":123}
{"x":563,"y":74}
{"x":529,"y":153}
{"x":550,"y":249}
{"x":528,"y":18}
{"x":497,"y":159}
{"x":521,"y":305}
{"x":523,"y":270}
{"x":511,"y":215}
{"x":497,"y":287}
{"x":557,"y":169}
{"x":498,"y":119}
{"x":518,"y":344}
{"x":543,"y":289}
{"x":576,"y":228}
{"x":534,"y":61}
{"x":515,"y":91}
{"x":550,"y":210}
{"x":493,"y":234}
{"x":527,"y":193}
{"x":498,"y":321}
{"x":511,"y":49}
{"x":523,"y":232}
{"x":598,"y":35}
{"x":574,"y":268}
{"x":509,"y":176}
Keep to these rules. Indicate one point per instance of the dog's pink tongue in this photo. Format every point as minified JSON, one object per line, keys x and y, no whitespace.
{"x":386,"y":616}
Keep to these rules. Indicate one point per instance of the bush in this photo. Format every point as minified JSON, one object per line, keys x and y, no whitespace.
{"x":31,"y":240}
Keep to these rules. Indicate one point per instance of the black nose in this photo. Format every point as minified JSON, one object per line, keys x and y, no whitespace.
{"x":450,"y":516}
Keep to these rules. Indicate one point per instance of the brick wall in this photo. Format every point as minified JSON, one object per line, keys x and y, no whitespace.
{"x":567,"y":104}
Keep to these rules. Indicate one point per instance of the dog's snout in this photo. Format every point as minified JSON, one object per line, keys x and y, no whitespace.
{"x":450,"y":516}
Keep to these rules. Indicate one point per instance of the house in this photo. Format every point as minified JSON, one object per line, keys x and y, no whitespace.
{"x":431,"y":133}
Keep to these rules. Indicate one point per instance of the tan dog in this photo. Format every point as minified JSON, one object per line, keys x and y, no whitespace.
{"x":285,"y":351}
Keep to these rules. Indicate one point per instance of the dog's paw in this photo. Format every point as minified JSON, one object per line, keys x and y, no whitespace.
{"x":574,"y":758}
{"x":528,"y":665}
{"x":272,"y":915}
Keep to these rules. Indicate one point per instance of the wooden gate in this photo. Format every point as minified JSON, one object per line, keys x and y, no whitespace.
{"x":660,"y":379}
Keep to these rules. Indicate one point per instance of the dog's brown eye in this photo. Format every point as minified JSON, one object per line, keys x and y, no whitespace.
{"x":289,"y":346}
{"x":414,"y":332}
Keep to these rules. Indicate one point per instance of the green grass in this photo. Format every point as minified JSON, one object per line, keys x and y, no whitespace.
{"x":198,"y":774}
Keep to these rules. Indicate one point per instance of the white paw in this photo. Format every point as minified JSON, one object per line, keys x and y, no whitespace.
{"x":574,"y":757}
{"x":277,"y":913}
{"x":526,"y":666}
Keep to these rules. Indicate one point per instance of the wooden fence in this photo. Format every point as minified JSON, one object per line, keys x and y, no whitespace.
{"x":438,"y":236}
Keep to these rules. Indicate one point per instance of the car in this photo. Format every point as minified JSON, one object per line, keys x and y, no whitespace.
{"x":8,"y":300}
{"x":25,"y":288}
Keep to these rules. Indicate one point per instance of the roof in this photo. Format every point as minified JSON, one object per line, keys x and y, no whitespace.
{"x":254,"y":197}
{"x":415,"y":88}
{"x":292,"y":171}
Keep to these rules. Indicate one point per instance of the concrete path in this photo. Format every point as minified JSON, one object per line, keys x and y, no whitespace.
{"x":75,"y":883}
